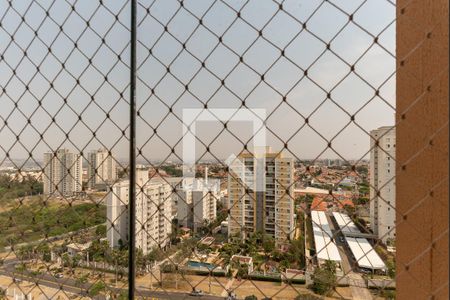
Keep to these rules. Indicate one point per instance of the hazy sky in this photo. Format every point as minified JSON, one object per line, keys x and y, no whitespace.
{"x":93,"y":98}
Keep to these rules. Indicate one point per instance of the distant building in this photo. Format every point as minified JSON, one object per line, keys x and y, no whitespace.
{"x":153,"y":212}
{"x":76,"y":248}
{"x":197,"y":202}
{"x":62,"y":173}
{"x":260,"y":196}
{"x":177,"y":185}
{"x":382,"y":182}
{"x":102,"y":170}
{"x":243,"y":261}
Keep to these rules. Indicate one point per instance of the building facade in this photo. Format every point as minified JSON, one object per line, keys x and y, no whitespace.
{"x":260,"y":196}
{"x":197,"y":202}
{"x":102,"y":170}
{"x":153,"y":213}
{"x":62,"y":173}
{"x":382,"y":182}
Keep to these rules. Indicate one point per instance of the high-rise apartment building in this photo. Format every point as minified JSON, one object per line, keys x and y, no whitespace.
{"x":260,"y":196}
{"x":153,"y":212}
{"x":62,"y":173}
{"x":102,"y":171}
{"x":197,"y":202}
{"x":382,"y":182}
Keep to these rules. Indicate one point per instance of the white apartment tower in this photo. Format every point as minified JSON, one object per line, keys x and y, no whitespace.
{"x":153,"y":213}
{"x":102,"y":171}
{"x":382,"y":182}
{"x":62,"y":173}
{"x":197,"y":202}
{"x":260,"y":196}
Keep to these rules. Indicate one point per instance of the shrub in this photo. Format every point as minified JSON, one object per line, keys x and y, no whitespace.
{"x":324,"y":279}
{"x":96,"y":288}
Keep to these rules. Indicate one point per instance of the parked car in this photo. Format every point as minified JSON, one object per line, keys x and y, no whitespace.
{"x":59,"y":275}
{"x":196,"y":293}
{"x":231,"y":296}
{"x":341,"y":239}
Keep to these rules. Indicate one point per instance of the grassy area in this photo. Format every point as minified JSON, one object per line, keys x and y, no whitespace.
{"x":33,"y":221}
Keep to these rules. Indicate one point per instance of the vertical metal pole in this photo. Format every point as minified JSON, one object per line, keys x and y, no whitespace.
{"x":132,"y":186}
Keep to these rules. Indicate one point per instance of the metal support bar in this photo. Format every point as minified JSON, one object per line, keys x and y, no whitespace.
{"x":132,"y":170}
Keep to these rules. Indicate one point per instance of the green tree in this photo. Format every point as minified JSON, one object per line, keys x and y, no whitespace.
{"x":99,"y":250}
{"x":390,"y":264}
{"x":100,"y":231}
{"x":324,"y":279}
{"x":123,"y":296}
{"x":251,"y":297}
{"x":25,"y":252}
{"x":268,"y":244}
{"x":388,"y":294}
{"x":96,"y":288}
{"x":44,"y":251}
{"x":81,"y":280}
{"x":71,"y":261}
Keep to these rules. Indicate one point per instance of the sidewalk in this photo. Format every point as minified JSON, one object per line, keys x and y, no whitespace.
{"x":229,"y":284}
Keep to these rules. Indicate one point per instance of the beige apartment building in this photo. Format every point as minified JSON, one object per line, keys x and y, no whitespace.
{"x":102,"y":169}
{"x":153,"y":212}
{"x":62,"y":173}
{"x":382,"y":182}
{"x":260,"y":196}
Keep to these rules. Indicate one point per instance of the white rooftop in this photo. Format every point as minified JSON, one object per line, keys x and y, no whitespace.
{"x":362,"y":250}
{"x":345,"y":223}
{"x":325,"y":248}
{"x":312,"y":190}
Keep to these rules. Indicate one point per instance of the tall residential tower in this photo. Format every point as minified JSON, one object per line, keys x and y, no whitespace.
{"x":62,"y":173}
{"x":260,"y":196}
{"x":101,"y":169}
{"x":382,"y":182}
{"x":153,"y":212}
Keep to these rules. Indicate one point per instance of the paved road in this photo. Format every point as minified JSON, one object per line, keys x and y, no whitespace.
{"x":355,"y":280}
{"x":71,"y":286}
{"x":358,"y":287}
{"x":229,"y":284}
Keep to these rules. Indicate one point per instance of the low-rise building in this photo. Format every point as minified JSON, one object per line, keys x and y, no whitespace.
{"x":242,"y":260}
{"x":77,"y":248}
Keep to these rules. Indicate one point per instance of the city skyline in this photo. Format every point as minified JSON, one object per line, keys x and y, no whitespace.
{"x":95,"y":100}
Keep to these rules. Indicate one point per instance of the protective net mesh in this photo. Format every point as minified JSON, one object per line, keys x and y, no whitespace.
{"x":218,"y":213}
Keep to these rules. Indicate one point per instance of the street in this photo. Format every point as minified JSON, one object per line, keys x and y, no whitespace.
{"x":72,"y":286}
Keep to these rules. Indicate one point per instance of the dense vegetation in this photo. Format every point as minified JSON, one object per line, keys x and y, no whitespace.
{"x":11,"y":189}
{"x":262,"y":249}
{"x":33,"y":221}
{"x":172,"y":171}
{"x":363,"y":188}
